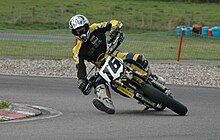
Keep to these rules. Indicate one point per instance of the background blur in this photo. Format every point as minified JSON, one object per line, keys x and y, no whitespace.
{"x":39,"y":29}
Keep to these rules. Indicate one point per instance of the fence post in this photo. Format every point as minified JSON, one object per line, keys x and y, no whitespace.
{"x":21,"y":14}
{"x":13,"y":13}
{"x":110,"y":15}
{"x":61,"y":15}
{"x":142,"y":22}
{"x":201,"y":20}
{"x":151,"y":21}
{"x":170,"y":23}
{"x":33,"y":14}
{"x":47,"y":16}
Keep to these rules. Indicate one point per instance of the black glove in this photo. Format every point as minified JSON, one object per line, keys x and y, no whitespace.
{"x":82,"y":84}
{"x":115,"y":28}
{"x":113,"y":34}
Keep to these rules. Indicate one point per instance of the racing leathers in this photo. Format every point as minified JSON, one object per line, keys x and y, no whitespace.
{"x":92,"y":50}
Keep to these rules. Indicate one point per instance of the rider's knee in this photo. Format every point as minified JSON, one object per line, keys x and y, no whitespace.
{"x":142,"y":60}
{"x":138,"y":58}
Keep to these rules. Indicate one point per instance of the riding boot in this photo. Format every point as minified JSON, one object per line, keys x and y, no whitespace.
{"x":103,"y":101}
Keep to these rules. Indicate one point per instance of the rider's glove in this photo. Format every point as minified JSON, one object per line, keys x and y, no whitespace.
{"x":113,"y":33}
{"x":115,"y":29}
{"x":82,"y":84}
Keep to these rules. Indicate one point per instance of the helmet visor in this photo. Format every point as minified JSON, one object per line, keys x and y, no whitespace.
{"x":79,"y":31}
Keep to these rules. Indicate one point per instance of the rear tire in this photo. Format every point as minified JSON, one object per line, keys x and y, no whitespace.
{"x":160,"y":97}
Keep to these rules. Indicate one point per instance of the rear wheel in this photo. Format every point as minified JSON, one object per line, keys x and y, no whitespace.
{"x":163,"y":99}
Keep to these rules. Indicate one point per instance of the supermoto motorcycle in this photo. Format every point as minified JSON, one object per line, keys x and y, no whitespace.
{"x":131,"y":80}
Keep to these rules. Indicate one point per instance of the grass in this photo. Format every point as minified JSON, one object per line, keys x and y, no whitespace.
{"x":155,"y":46}
{"x":166,"y":48}
{"x":4,"y":104}
{"x":35,"y":49}
{"x":139,"y":17}
{"x":55,"y":14}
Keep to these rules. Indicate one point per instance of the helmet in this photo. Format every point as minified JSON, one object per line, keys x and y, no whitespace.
{"x":79,"y":26}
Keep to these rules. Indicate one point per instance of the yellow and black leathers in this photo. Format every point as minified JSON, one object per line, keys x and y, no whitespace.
{"x":96,"y":46}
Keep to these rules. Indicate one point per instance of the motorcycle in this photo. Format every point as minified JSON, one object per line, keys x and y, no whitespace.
{"x":131,"y":80}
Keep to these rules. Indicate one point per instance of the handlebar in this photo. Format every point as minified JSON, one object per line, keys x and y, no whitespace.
{"x":119,"y":39}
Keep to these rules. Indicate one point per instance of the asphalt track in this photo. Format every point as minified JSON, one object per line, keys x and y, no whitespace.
{"x":80,"y":120}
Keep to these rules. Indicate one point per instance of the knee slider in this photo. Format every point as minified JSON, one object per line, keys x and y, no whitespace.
{"x":142,"y":60}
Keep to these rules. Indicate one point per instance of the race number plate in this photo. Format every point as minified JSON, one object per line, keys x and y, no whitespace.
{"x":112,"y":69}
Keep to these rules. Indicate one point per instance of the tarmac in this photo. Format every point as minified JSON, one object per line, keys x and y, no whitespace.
{"x":23,"y":111}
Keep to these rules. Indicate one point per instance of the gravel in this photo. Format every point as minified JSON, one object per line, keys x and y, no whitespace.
{"x":199,"y":73}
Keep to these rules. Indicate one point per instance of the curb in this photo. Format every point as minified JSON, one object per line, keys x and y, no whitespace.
{"x":18,"y":111}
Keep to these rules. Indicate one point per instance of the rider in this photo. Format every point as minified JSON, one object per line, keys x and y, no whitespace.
{"x":90,"y":45}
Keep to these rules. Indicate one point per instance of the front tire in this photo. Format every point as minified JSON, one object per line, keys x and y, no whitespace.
{"x":159,"y":107}
{"x":160,"y":97}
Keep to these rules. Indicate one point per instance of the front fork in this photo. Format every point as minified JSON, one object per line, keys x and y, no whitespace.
{"x":146,"y":101}
{"x":161,"y":87}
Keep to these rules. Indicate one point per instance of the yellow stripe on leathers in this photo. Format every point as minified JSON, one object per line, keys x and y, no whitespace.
{"x":120,"y":54}
{"x":135,"y":57}
{"x":76,"y":51}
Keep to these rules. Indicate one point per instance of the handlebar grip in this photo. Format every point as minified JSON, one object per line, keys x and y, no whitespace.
{"x":89,"y":86}
{"x":120,"y":40}
{"x":87,"y":91}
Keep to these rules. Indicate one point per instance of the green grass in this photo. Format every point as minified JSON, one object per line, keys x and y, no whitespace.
{"x":155,"y":46}
{"x":4,"y":104}
{"x":166,"y":48}
{"x":17,"y":14}
{"x":35,"y":49}
{"x":16,"y":17}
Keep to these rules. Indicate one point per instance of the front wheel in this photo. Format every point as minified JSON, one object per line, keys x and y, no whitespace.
{"x":159,"y":107}
{"x":160,"y":97}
